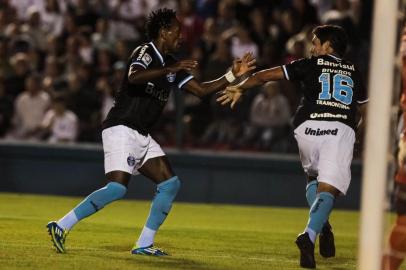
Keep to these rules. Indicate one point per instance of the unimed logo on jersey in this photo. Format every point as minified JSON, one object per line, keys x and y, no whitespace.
{"x":321,"y":132}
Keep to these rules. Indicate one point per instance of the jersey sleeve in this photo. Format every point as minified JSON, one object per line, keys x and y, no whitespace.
{"x":297,"y":70}
{"x":142,"y":57}
{"x":362,"y":95}
{"x":182,"y":78}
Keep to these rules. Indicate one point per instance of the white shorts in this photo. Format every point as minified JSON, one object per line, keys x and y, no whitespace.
{"x":127,"y":150}
{"x":326,"y":150}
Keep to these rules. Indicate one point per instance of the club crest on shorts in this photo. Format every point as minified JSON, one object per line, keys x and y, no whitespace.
{"x":171,"y":77}
{"x":131,"y":161}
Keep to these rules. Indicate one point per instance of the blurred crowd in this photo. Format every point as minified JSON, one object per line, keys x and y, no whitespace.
{"x":62,"y":60}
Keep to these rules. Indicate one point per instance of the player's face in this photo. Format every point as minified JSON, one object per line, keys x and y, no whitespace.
{"x":173,"y":36}
{"x":317,"y":48}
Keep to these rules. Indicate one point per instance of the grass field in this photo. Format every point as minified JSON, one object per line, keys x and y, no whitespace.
{"x":198,"y":236}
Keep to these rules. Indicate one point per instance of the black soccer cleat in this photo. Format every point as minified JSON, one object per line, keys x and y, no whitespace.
{"x":327,"y":247}
{"x":306,"y":248}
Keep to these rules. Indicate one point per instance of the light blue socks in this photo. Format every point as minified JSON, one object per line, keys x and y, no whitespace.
{"x":311,"y":192}
{"x":98,"y":199}
{"x":161,"y":205}
{"x":319,"y":213}
{"x":162,"y":202}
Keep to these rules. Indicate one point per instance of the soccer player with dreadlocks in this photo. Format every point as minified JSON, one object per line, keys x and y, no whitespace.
{"x":151,"y":73}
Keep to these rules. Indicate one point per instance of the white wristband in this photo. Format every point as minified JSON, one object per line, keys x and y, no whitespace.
{"x":230,"y":76}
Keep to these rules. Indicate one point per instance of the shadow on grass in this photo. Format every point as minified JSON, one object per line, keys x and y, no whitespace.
{"x":336,"y":263}
{"x":167,"y":262}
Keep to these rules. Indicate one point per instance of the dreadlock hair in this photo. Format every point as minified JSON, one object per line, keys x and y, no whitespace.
{"x":335,"y":34}
{"x":158,"y":19}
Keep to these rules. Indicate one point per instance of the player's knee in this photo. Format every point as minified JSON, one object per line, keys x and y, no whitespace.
{"x":311,"y":178}
{"x":117,"y":190}
{"x":170,"y":186}
{"x":324,"y":187}
{"x":175,"y":186}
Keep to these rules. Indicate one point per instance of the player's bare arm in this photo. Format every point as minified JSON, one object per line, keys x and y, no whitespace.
{"x":233,"y":93}
{"x":139,"y":75}
{"x":240,"y":68}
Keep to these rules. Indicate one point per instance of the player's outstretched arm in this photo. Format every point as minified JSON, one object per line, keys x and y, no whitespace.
{"x":233,"y":93}
{"x":262,"y":77}
{"x":240,"y":68}
{"x":139,"y":75}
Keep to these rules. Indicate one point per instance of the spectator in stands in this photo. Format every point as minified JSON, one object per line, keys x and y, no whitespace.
{"x":226,"y":15}
{"x":15,"y":84}
{"x":69,"y":28}
{"x":127,"y":14}
{"x":104,"y":36}
{"x":192,"y":24}
{"x":54,"y":48}
{"x":170,"y":4}
{"x":21,"y":7}
{"x":121,"y":50}
{"x":52,"y":17}
{"x":104,"y":62}
{"x":241,"y":41}
{"x":259,"y":30}
{"x":206,"y":45}
{"x":29,"y":109}
{"x":269,"y":118}
{"x":53,"y":81}
{"x":85,"y":102}
{"x":34,"y":30}
{"x":296,"y":48}
{"x":60,"y":123}
{"x":306,"y":13}
{"x":72,"y":58}
{"x":86,"y":49}
{"x":5,"y":67}
{"x":85,"y":17}
{"x":107,"y":99}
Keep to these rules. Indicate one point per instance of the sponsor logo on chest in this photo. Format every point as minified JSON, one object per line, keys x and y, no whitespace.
{"x":159,"y":94}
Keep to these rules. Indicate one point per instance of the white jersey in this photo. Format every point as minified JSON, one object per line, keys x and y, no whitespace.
{"x":63,"y":127}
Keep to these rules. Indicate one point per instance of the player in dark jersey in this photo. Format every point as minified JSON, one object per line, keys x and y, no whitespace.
{"x":152,"y":72}
{"x":325,"y":124}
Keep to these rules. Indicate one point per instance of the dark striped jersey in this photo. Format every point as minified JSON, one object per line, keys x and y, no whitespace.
{"x":139,"y":106}
{"x":331,"y":88}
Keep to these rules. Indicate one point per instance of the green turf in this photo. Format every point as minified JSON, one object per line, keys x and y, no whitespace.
{"x":199,"y":236}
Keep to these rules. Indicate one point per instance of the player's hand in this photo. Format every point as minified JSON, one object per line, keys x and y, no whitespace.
{"x":242,"y":66}
{"x":187,"y":65}
{"x":229,"y":95}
